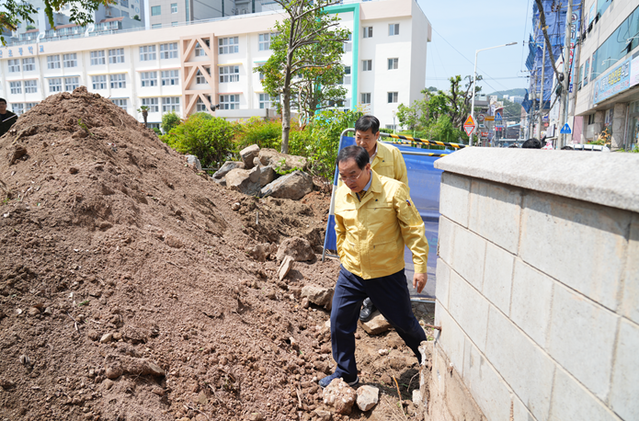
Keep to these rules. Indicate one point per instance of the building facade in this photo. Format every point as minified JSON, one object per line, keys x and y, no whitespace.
{"x":607,"y":102}
{"x":209,"y":66}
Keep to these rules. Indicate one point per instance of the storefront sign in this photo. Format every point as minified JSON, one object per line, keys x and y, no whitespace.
{"x":634,"y":71}
{"x":612,"y":82}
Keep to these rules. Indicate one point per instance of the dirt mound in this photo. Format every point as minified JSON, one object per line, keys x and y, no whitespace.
{"x":127,"y":286}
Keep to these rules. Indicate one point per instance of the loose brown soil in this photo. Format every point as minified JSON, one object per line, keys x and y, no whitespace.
{"x":119,"y":262}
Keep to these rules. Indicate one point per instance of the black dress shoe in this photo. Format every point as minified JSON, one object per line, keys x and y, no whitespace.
{"x":368,"y":308}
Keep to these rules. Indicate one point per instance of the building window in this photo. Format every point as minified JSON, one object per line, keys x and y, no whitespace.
{"x":171,"y":103}
{"x":229,"y":74}
{"x":368,"y":32}
{"x":152,"y":103}
{"x":15,"y":87}
{"x":116,"y":55}
{"x":173,"y":8}
{"x":200,"y":79}
{"x":266,"y":101}
{"x":168,"y":51}
{"x":264,"y":42}
{"x":174,"y":24}
{"x":147,"y":53}
{"x":70,"y":83}
{"x":156,"y":10}
{"x":18,"y":108}
{"x":97,"y":58}
{"x":200,"y":106}
{"x":29,"y":105}
{"x":124,"y":3}
{"x":199,"y":51}
{"x":393,"y":63}
{"x":346,"y":80}
{"x":122,"y":103}
{"x":118,"y":81}
{"x":367,"y":65}
{"x":170,"y":77}
{"x":393,"y":29}
{"x":55,"y":85}
{"x":70,"y":60}
{"x":230,"y":102}
{"x":366,"y":98}
{"x":14,"y":66}
{"x":30,"y":86}
{"x":149,"y":79}
{"x":228,"y":45}
{"x":28,"y":64}
{"x":99,"y":82}
{"x":156,"y":25}
{"x":53,"y":62}
{"x":392,"y":97}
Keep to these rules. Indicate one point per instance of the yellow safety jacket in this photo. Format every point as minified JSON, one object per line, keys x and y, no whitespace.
{"x":389,"y":162}
{"x":371,"y":234}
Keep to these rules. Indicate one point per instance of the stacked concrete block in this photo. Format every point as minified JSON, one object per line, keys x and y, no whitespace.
{"x":538,"y":284}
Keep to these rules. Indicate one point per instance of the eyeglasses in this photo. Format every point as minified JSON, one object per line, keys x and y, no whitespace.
{"x":352,"y":178}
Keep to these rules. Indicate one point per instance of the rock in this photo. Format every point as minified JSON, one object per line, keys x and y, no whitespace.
{"x":367,"y":397}
{"x":108,"y":384}
{"x":194,"y":161}
{"x":116,"y":365}
{"x":202,"y":399}
{"x":282,"y":162}
{"x":254,"y":174}
{"x":320,"y":296}
{"x":93,"y":335}
{"x":226,"y":168}
{"x":340,"y":396}
{"x":6,"y":383}
{"x":236,"y":206}
{"x":267,"y":174}
{"x":114,"y":372}
{"x":284,"y":268}
{"x":255,"y":416}
{"x":323,"y":415}
{"x":376,"y":325}
{"x":298,"y":248}
{"x":33,"y":311}
{"x":106,"y":338}
{"x":17,"y":153}
{"x":47,"y":312}
{"x":240,"y":180}
{"x":248,"y":154}
{"x":261,"y":252}
{"x":292,"y":186}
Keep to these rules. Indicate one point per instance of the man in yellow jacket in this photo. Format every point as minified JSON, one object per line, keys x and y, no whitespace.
{"x":374,"y":218}
{"x":385,"y":160}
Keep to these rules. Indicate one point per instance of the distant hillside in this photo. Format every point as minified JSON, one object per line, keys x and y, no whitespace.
{"x":514,"y":92}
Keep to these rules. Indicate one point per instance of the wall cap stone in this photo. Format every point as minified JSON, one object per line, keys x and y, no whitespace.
{"x":605,"y":178}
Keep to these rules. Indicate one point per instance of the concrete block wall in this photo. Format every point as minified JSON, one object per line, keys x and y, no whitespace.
{"x":538,"y":284}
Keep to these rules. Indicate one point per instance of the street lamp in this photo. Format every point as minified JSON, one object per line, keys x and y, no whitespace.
{"x":472,"y":106}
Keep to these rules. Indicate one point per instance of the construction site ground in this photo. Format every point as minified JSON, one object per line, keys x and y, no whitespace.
{"x":130,"y":290}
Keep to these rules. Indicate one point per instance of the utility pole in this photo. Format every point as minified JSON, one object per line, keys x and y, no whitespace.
{"x":563,"y":111}
{"x":541,"y":93}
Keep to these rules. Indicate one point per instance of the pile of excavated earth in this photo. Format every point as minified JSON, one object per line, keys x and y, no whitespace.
{"x":134,"y":287}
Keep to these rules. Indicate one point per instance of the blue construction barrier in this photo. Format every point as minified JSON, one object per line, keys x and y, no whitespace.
{"x":424,"y":182}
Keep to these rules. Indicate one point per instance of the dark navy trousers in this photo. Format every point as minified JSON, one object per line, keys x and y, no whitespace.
{"x":391,"y":297}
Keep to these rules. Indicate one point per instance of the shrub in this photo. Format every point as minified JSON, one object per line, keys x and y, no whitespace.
{"x":169,"y":121}
{"x":210,"y":139}
{"x":256,"y":131}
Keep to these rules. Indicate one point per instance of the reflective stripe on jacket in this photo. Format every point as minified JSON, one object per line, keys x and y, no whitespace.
{"x":371,"y":234}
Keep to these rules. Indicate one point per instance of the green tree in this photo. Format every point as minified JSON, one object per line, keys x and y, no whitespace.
{"x":210,"y":139}
{"x":16,"y":12}
{"x":308,"y":42}
{"x":169,"y":121}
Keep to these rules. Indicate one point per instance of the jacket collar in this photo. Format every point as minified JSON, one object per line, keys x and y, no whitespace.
{"x":375,"y":188}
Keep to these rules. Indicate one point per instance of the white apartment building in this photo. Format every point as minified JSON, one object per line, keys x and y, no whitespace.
{"x":196,"y":67}
{"x":608,"y":73}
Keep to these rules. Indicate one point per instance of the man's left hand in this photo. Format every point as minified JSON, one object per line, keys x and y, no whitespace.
{"x":419,"y":281}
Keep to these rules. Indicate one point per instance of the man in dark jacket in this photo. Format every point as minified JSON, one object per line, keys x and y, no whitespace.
{"x":7,"y":118}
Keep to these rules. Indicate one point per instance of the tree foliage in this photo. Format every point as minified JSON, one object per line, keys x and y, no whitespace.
{"x":16,"y":12}
{"x":169,"y":121}
{"x":440,"y":114}
{"x":305,"y":62}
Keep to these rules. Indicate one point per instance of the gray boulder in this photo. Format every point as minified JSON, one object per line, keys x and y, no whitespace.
{"x":193,"y":160}
{"x":267,"y":174}
{"x":248,"y":154}
{"x":318,"y":295}
{"x":367,"y":397}
{"x":282,"y":161}
{"x":291,"y":186}
{"x":296,"y":247}
{"x":240,"y":180}
{"x":226,"y":168}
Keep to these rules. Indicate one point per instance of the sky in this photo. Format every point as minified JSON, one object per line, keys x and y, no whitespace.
{"x":460,"y":27}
